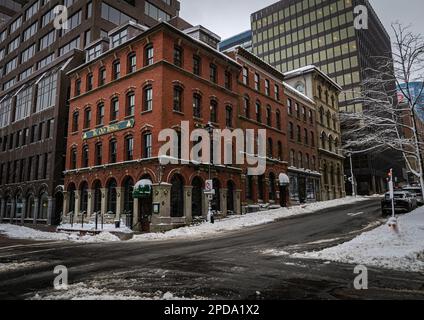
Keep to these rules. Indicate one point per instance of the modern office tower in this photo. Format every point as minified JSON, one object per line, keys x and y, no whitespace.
{"x":243,"y":40}
{"x":295,"y":33}
{"x":34,"y":90}
{"x":9,"y":8}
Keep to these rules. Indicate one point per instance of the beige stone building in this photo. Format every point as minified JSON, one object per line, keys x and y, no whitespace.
{"x":315,"y":84}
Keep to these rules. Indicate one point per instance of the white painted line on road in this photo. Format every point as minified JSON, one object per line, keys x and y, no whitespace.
{"x":355,"y":214}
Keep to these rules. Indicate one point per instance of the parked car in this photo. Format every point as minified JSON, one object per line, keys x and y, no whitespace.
{"x":417,"y":192}
{"x":404,"y":202}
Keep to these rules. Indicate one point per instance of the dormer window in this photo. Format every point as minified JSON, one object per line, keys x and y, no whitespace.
{"x":119,"y":38}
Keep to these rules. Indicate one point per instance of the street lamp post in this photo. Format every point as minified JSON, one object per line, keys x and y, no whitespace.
{"x":209,"y":127}
{"x":352,"y":177}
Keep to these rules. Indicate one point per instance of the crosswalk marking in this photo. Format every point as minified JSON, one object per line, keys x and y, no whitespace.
{"x":355,"y":214}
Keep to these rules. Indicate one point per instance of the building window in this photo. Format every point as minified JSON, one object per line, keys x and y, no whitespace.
{"x":147,"y":145}
{"x":148,"y":98}
{"x":149,"y":55}
{"x":78,"y":87}
{"x":114,"y":109}
{"x":214,"y":111}
{"x":267,"y":88}
{"x":197,"y":65}
{"x":87,"y":118}
{"x":228,"y":80}
{"x":311,"y":117}
{"x":289,"y":107}
{"x":213,"y":73}
{"x":278,"y":119}
{"x":75,"y":117}
{"x":178,"y":99}
{"x":129,"y":148}
{"x":197,"y":106}
{"x":178,"y":56}
{"x":73,"y":159}
{"x":102,"y":76}
{"x":257,"y":82}
{"x":306,"y":136}
{"x":247,"y":107}
{"x":258,"y":112}
{"x":89,"y":82}
{"x":130,"y":109}
{"x":113,"y":151}
{"x":85,"y":157}
{"x":132,"y":62}
{"x":229,"y":117}
{"x":270,"y":148}
{"x":277,"y":92}
{"x":299,"y":134}
{"x":268,"y":116}
{"x":280,"y":150}
{"x":291,"y":130}
{"x":100,"y":114}
{"x":246,"y":76}
{"x":116,"y":73}
{"x":99,"y":154}
{"x":312,"y":139}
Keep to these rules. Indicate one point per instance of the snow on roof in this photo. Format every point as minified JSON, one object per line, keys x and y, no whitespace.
{"x":298,"y":93}
{"x":311,"y":68}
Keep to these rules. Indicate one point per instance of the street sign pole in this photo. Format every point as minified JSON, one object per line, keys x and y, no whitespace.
{"x":392,"y":192}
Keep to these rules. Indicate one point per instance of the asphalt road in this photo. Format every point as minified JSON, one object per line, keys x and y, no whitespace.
{"x":231,"y":266}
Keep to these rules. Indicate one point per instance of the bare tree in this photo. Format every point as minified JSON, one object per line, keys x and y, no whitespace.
{"x":386,"y":122}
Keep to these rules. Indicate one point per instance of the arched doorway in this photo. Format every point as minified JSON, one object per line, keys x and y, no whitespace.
{"x":128,"y":186}
{"x":84,"y":197}
{"x":30,"y":210}
{"x":145,"y":205}
{"x":216,"y":202}
{"x":230,"y":196}
{"x":44,"y":206}
{"x":197,"y":197}
{"x":177,"y":196}
{"x":111,"y":196}
{"x":97,"y":201}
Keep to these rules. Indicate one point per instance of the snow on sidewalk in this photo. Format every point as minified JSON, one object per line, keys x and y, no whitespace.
{"x":20,"y":232}
{"x":249,"y":220}
{"x":382,"y":247}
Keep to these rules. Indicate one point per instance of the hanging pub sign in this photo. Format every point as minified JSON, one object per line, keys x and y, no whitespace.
{"x":127,"y":124}
{"x":143,"y":189}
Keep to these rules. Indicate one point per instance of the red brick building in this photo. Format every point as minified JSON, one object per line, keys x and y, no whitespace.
{"x":142,"y":81}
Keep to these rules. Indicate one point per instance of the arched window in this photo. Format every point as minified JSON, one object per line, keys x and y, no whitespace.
{"x":147,"y":145}
{"x":149,"y":55}
{"x":320,"y":92}
{"x":330,"y":143}
{"x":100,"y":114}
{"x":280,"y":150}
{"x":89,"y":82}
{"x":111,"y":196}
{"x":116,"y":70}
{"x":132,"y":62}
{"x":321,"y":115}
{"x":148,"y":98}
{"x":258,"y":112}
{"x":326,"y":97}
{"x":114,"y":109}
{"x":75,"y":117}
{"x":268,"y":116}
{"x":278,"y":119}
{"x":300,"y":160}
{"x":178,"y":99}
{"x":312,"y":139}
{"x":113,"y":151}
{"x":130,"y":107}
{"x":73,"y":159}
{"x":85,"y":156}
{"x":197,"y":105}
{"x":98,"y":156}
{"x":306,"y":136}
{"x":87,"y":118}
{"x":129,"y":148}
{"x":335,"y":123}
{"x":323,"y":140}
{"x":247,"y":107}
{"x":214,"y":111}
{"x":329,"y":119}
{"x":229,"y":116}
{"x":299,"y":134}
{"x":270,"y":148}
{"x":177,"y":196}
{"x":44,"y":206}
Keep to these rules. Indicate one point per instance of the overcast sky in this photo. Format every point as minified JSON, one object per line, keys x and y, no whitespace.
{"x":229,"y":17}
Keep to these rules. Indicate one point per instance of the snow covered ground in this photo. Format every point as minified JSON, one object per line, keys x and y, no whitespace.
{"x":382,"y":247}
{"x":19,"y":232}
{"x":92,"y":227}
{"x":239,"y":222}
{"x":198,"y":231}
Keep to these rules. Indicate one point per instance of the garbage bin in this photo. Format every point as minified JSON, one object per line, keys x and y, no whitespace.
{"x":117,"y":224}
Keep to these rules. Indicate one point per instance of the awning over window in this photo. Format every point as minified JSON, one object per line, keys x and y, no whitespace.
{"x":143,"y":188}
{"x":284,"y":179}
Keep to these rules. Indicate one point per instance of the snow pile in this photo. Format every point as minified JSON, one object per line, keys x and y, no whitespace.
{"x":382,"y":247}
{"x":92,"y":227}
{"x":20,"y":232}
{"x":252,"y":219}
{"x":82,"y":291}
